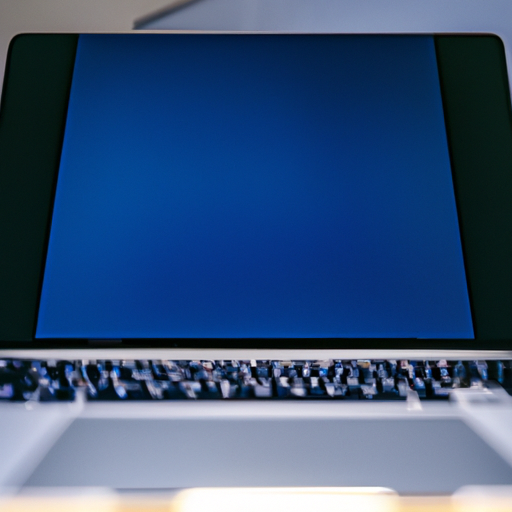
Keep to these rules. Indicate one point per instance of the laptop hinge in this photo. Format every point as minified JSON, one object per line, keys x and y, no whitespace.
{"x":104,"y":342}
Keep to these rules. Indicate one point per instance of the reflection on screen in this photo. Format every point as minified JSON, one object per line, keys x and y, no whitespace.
{"x":255,"y":186}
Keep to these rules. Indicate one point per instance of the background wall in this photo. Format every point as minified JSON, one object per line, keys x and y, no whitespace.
{"x":17,"y":16}
{"x":342,"y":16}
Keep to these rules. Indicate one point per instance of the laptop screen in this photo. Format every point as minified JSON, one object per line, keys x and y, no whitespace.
{"x":279,"y":187}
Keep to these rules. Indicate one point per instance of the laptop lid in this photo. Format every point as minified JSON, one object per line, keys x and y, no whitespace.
{"x":277,"y":191}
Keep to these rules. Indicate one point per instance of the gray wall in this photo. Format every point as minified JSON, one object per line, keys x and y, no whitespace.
{"x":349,"y":16}
{"x":17,"y":16}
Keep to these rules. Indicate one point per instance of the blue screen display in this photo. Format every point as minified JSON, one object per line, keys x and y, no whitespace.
{"x":255,"y":186}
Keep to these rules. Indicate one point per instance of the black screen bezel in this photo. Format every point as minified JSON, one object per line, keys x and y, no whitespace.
{"x":478,"y":117}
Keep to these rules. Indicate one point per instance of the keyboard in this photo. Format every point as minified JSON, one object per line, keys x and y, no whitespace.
{"x":124,"y":380}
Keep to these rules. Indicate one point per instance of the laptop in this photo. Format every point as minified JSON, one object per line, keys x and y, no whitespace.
{"x":255,"y":260}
